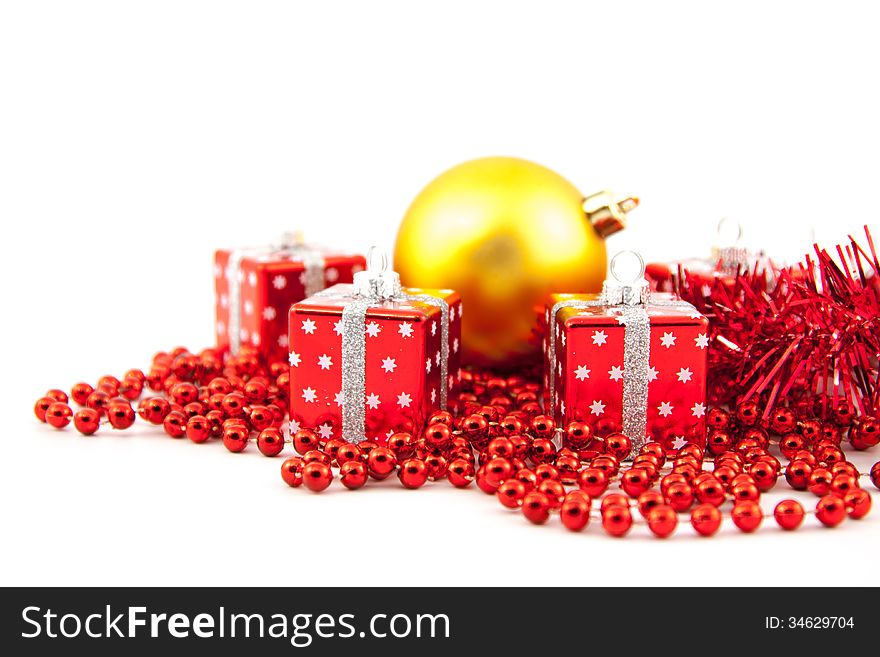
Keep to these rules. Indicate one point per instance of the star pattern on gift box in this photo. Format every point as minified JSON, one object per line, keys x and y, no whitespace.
{"x":339,"y":327}
{"x":652,"y":374}
{"x":331,"y":274}
{"x":388,"y":364}
{"x":404,"y":399}
{"x":615,"y":373}
{"x":325,"y":431}
{"x":405,"y":329}
{"x":698,"y":409}
{"x":600,"y":338}
{"x":582,"y":373}
{"x":269,"y":313}
{"x":221,"y":328}
{"x":373,"y":400}
{"x":325,"y":362}
{"x":373,"y":329}
{"x":433,"y":328}
{"x":279,"y":282}
{"x":252,"y":279}
{"x":427,"y":366}
{"x":702,"y":341}
{"x":455,"y":345}
{"x":293,"y":426}
{"x":339,"y":398}
{"x":309,"y":326}
{"x":282,"y":340}
{"x":665,"y":409}
{"x":309,"y":395}
{"x":248,"y":308}
{"x":668,"y":339}
{"x":685,"y":374}
{"x":597,"y":407}
{"x":433,"y":395}
{"x":679,"y":442}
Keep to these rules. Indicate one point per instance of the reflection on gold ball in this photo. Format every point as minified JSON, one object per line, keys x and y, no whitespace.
{"x":504,"y":233}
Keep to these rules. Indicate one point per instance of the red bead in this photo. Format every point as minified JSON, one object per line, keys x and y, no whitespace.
{"x":542,"y":451}
{"x":86,"y":421}
{"x":783,"y":420}
{"x":543,"y":426}
{"x":348,"y":452}
{"x":42,"y":405}
{"x":536,"y":507}
{"x":575,"y":512}
{"x":662,"y":520}
{"x":401,"y":444}
{"x":875,"y":474}
{"x":80,"y":393}
{"x":305,"y":440}
{"x":131,"y":388}
{"x":578,"y":435}
{"x":634,"y":482}
{"x":460,"y":473}
{"x":437,"y":466}
{"x":843,"y":483}
{"x":616,"y":520}
{"x":679,"y":496}
{"x":618,"y":445}
{"x":820,"y":482}
{"x":317,"y":476}
{"x":614,"y":499}
{"x":260,"y":418}
{"x":441,"y":417}
{"x":438,"y":436}
{"x":748,"y":413}
{"x":745,"y":492}
{"x":184,"y":393}
{"x":175,"y":424}
{"x":270,"y":442}
{"x":235,"y":438}
{"x":717,"y":419}
{"x":198,"y":429}
{"x":789,"y":514}
{"x":790,"y":444}
{"x":831,"y":510}
{"x":154,"y":409}
{"x":498,"y":470}
{"x":798,"y":473}
{"x":747,"y":515}
{"x":381,"y":463}
{"x":318,"y":455}
{"x":607,"y":463}
{"x":353,"y":474}
{"x":592,"y":481}
{"x":705,"y":519}
{"x":648,"y":500}
{"x":57,"y":395}
{"x":121,"y":415}
{"x":858,"y":503}
{"x":710,"y":492}
{"x":292,"y":471}
{"x":865,"y":433}
{"x":568,"y":467}
{"x":554,"y":491}
{"x":764,"y":474}
{"x":58,"y":414}
{"x":413,"y":473}
{"x":511,"y":493}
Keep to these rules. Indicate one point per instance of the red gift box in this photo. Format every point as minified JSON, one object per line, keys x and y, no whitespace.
{"x":256,"y":287}
{"x":403,"y":361}
{"x":597,"y":373}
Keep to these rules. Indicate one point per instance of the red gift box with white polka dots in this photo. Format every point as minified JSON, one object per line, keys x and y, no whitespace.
{"x":402,"y":364}
{"x":590,"y":372}
{"x":269,"y":285}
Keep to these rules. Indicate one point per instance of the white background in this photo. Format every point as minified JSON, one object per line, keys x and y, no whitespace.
{"x":137,"y":137}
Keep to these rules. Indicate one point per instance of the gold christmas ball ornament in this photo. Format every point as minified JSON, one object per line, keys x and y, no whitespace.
{"x":505,"y":233}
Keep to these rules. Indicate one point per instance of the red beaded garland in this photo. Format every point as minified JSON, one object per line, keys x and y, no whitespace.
{"x":87,"y":421}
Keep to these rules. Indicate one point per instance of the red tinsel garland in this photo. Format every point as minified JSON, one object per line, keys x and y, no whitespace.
{"x":806,"y":336}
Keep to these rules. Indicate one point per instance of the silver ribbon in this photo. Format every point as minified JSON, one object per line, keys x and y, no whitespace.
{"x":370,"y":288}
{"x":629,"y":300}
{"x":291,"y":246}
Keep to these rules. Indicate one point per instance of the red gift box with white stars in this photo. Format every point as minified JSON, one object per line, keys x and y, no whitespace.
{"x":402,"y":363}
{"x":270,"y":282}
{"x":590,"y":372}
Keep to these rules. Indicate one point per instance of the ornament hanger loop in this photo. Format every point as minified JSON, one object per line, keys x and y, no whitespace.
{"x":374,"y":254}
{"x":725,"y":231}
{"x":624,"y":264}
